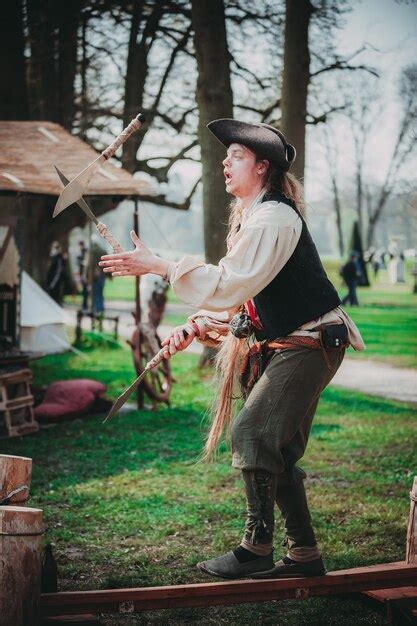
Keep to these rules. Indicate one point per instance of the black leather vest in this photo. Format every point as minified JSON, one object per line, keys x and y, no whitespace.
{"x":300,"y":292}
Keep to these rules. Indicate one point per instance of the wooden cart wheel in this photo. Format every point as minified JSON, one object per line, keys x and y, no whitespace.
{"x":145,"y":343}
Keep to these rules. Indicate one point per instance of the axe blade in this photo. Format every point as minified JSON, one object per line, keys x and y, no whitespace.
{"x":122,"y":398}
{"x":77,"y":186}
{"x":81,"y":202}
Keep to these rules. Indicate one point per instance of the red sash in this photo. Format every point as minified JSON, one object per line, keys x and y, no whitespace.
{"x":253,"y":314}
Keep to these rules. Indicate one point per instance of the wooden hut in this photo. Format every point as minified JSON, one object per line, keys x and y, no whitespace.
{"x":29,"y":187}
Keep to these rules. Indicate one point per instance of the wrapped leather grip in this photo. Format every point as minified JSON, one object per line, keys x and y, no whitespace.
{"x":106,"y":234}
{"x":134,"y":125}
{"x":159,"y":356}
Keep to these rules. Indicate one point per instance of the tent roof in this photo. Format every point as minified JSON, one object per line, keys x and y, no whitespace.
{"x":29,"y":151}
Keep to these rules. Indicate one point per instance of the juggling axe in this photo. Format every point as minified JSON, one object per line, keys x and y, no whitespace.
{"x":102,"y":228}
{"x":77,"y":187}
{"x":128,"y":392}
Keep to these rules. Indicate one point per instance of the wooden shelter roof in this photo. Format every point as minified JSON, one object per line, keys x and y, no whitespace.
{"x":29,"y":151}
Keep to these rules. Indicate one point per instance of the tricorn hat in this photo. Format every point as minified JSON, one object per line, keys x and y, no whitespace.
{"x":266,"y":141}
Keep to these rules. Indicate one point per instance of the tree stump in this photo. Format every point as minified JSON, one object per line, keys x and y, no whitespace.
{"x":21,"y":530}
{"x":15,"y":475}
{"x":411,"y":549}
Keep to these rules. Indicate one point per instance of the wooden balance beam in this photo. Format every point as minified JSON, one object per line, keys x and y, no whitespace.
{"x":359,"y":579}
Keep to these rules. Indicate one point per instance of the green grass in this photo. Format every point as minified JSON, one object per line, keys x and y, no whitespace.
{"x":127,"y":505}
{"x":123,"y":288}
{"x":386,"y":317}
{"x":387,"y":320}
{"x":390,"y":334}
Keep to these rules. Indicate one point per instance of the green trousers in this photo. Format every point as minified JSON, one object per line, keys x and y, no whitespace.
{"x":270,"y":433}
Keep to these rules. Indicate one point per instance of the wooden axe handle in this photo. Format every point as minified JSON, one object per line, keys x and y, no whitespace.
{"x":106,"y":234}
{"x":159,"y":356}
{"x":134,"y":125}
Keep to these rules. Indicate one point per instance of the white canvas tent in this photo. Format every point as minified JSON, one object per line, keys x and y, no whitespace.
{"x":42,"y":320}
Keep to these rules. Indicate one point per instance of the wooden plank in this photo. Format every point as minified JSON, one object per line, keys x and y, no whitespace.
{"x":234,"y":592}
{"x":386,"y":595}
{"x":18,"y":403}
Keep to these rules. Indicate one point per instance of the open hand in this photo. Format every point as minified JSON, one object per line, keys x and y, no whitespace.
{"x":134,"y":263}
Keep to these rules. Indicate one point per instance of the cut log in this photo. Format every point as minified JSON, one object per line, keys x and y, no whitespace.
{"x":21,"y":530}
{"x":411,"y":549}
{"x":226,"y":593}
{"x":15,"y":475}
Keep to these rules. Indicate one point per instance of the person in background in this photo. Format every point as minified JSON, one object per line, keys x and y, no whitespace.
{"x":351,"y":275}
{"x":98,"y":279}
{"x":82,"y":265}
{"x":56,"y":278}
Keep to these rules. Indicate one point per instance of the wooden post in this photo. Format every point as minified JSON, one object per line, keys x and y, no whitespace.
{"x":21,"y":530}
{"x":15,"y":475}
{"x":411,"y":549}
{"x":140,"y":395}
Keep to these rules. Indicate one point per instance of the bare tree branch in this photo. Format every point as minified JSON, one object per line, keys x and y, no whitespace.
{"x":265,"y":112}
{"x":318,"y":119}
{"x":245,"y":70}
{"x":345,"y":63}
{"x":161,"y":200}
{"x":177,"y":125}
{"x":341,"y":64}
{"x":178,"y":48}
{"x":161,"y":173}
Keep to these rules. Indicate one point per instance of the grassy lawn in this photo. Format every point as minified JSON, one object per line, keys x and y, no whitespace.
{"x":127,"y":505}
{"x":386,"y":317}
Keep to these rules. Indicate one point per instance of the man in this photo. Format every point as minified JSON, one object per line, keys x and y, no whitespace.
{"x":351,"y":276}
{"x":272,"y":278}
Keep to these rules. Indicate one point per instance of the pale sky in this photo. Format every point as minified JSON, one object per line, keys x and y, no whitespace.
{"x":390,"y":27}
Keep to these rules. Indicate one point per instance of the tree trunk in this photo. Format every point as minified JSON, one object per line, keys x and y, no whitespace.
{"x":215,"y":100}
{"x":83,"y":125}
{"x":69,"y":16}
{"x":296,"y":78}
{"x":52,"y":30}
{"x":359,"y":197}
{"x":43,"y":78}
{"x":136,"y":73}
{"x":338,"y":213}
{"x":13,"y":89}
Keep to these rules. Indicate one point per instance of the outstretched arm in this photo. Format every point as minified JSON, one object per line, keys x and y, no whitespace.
{"x":260,"y":250}
{"x":136,"y":262}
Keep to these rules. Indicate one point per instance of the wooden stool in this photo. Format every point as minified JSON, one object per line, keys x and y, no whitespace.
{"x":96,"y":320}
{"x":16,"y":404}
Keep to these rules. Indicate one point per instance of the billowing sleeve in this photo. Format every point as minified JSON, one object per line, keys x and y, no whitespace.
{"x":260,"y":250}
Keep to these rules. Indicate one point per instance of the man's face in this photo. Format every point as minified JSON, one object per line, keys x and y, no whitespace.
{"x":241,"y":171}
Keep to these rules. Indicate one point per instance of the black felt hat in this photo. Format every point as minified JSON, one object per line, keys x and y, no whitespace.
{"x":266,"y":141}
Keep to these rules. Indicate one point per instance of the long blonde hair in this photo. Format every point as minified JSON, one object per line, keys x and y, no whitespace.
{"x":232,"y":351}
